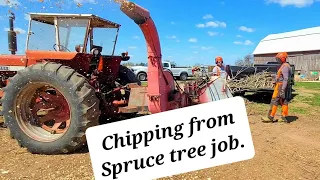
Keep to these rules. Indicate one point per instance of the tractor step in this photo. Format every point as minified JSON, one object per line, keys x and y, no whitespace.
{"x":133,"y":109}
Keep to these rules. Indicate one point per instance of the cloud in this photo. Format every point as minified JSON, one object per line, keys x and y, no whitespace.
{"x":200,"y":25}
{"x":177,"y":40}
{"x":17,"y":30}
{"x":132,"y":47}
{"x":172,"y":23}
{"x":238,"y":36}
{"x":206,"y":48}
{"x":246,"y":42}
{"x":195,"y":52}
{"x":26,"y":17}
{"x":212,"y":24}
{"x":246,"y":29}
{"x":9,"y":3}
{"x":135,"y":37}
{"x":84,"y":1}
{"x":193,"y":40}
{"x":212,"y":33}
{"x":207,"y":16}
{"x":194,"y":47}
{"x":296,"y":3}
{"x":171,"y":37}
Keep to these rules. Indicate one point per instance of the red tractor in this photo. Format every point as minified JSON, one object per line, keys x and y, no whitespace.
{"x":64,"y":83}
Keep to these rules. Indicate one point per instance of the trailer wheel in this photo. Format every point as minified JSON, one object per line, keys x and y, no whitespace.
{"x":48,"y":107}
{"x":127,"y":76}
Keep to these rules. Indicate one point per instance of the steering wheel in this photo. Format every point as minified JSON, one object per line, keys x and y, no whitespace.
{"x":63,"y":47}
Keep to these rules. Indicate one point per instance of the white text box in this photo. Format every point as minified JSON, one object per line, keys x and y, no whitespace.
{"x":172,"y":142}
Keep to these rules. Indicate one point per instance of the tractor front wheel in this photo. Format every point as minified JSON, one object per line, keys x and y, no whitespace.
{"x":48,"y":107}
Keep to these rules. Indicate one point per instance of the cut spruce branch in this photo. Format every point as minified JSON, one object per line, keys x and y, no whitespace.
{"x":260,"y":80}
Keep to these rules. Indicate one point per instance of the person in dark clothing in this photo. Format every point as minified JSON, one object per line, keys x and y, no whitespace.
{"x":280,"y":89}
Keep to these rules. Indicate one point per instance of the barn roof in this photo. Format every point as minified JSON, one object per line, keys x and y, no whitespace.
{"x":294,"y":41}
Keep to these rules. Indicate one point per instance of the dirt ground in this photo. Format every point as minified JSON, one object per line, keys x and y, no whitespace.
{"x":283,"y":151}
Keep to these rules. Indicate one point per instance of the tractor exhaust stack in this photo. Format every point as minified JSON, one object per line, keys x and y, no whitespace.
{"x":12,"y":35}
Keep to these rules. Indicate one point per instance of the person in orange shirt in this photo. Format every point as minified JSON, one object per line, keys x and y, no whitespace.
{"x":280,"y":89}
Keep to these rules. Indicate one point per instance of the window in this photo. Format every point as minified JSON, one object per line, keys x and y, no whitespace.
{"x":165,"y":65}
{"x":72,"y":32}
{"x":105,"y":37}
{"x":42,"y":36}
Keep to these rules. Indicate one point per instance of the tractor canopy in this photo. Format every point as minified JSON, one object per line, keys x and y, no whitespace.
{"x":71,"y":33}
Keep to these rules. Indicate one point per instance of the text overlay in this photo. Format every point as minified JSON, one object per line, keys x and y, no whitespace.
{"x":172,"y":142}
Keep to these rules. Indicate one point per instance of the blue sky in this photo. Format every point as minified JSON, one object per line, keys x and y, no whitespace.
{"x":190,"y":31}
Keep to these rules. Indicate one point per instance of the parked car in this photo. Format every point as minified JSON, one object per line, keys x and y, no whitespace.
{"x":182,"y":73}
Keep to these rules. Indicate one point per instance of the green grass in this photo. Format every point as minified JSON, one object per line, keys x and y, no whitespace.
{"x":313,"y":101}
{"x":144,"y":83}
{"x":298,"y":110}
{"x":313,"y":98}
{"x":307,"y":85}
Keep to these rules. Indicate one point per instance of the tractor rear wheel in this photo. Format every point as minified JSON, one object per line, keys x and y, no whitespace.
{"x":48,"y":107}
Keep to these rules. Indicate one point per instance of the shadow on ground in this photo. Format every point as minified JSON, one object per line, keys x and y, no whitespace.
{"x":264,"y":98}
{"x":103,"y":121}
{"x":292,"y":118}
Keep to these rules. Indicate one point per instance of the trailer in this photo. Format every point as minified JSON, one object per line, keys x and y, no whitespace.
{"x":240,"y":73}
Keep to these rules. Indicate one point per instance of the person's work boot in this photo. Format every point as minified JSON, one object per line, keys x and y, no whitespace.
{"x":284,"y":119}
{"x":268,"y":119}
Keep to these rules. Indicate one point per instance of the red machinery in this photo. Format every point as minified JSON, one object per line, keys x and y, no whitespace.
{"x":163,"y":93}
{"x":52,"y":97}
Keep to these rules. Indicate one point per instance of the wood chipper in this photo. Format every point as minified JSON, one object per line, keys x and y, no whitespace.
{"x":66,"y":83}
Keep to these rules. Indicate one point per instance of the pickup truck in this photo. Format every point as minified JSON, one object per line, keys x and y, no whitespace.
{"x":182,"y":73}
{"x":271,"y":67}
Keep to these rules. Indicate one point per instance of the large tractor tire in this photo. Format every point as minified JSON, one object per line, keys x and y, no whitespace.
{"x":127,"y":76}
{"x":68,"y":103}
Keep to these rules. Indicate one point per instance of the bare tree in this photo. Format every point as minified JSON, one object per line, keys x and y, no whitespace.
{"x":128,"y":64}
{"x":173,"y":64}
{"x":247,"y":61}
{"x":141,"y":64}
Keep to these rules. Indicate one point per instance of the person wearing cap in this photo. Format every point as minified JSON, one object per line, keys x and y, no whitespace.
{"x":280,"y":89}
{"x":216,"y":71}
{"x":219,"y":71}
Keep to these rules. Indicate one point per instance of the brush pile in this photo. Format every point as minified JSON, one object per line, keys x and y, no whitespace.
{"x":261,"y":80}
